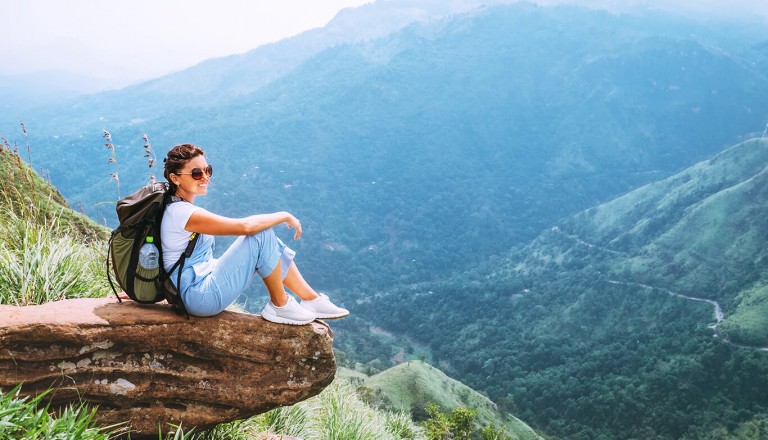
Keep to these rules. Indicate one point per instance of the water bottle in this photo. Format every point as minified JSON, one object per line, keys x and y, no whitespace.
{"x":148,"y":255}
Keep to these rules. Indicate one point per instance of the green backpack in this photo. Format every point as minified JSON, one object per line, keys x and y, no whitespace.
{"x":140,"y":215}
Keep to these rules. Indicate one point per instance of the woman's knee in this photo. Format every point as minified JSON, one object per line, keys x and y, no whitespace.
{"x":265,"y":234}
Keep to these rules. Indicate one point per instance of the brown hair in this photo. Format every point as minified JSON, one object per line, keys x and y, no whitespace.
{"x":177,"y":157}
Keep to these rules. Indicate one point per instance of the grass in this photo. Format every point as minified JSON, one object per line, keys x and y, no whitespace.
{"x":338,"y":413}
{"x":29,"y":419}
{"x":47,"y":251}
{"x":26,"y":194}
{"x":39,"y":265}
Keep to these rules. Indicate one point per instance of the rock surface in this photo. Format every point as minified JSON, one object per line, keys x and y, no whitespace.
{"x":145,"y":365}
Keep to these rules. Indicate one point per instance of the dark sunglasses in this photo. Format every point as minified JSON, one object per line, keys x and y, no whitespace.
{"x":197,"y":173}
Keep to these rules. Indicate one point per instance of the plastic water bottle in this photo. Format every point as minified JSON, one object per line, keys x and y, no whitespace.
{"x":148,"y":255}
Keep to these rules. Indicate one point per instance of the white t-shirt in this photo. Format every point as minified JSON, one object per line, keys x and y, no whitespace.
{"x":174,"y":238}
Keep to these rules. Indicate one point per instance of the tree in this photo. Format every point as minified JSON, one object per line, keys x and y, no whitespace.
{"x":456,"y":426}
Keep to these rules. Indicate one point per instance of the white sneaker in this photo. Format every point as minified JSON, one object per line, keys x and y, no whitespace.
{"x":323,"y":308}
{"x":291,"y":313}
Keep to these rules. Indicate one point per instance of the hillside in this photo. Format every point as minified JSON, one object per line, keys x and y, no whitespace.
{"x":600,"y":326}
{"x":411,"y":385}
{"x":483,"y":127}
{"x":24,"y":192}
{"x":701,"y":232}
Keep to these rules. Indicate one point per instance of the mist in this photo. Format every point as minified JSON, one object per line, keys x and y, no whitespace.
{"x":731,"y":9}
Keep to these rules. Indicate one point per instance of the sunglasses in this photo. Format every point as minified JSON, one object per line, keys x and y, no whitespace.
{"x":197,"y":173}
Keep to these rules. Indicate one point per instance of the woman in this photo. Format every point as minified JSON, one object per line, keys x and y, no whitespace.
{"x":210,"y":284}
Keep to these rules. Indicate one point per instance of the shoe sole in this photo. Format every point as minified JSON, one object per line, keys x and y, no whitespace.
{"x":331,"y":316}
{"x":279,"y":320}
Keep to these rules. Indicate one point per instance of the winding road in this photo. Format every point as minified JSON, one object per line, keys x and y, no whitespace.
{"x":718,"y":311}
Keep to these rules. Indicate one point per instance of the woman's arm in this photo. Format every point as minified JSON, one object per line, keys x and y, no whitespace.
{"x":206,"y":222}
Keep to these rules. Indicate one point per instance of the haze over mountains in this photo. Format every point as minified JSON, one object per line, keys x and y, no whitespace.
{"x":426,"y":157}
{"x":503,"y":119}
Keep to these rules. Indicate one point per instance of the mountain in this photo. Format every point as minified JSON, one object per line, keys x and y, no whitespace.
{"x":20,"y":92}
{"x":218,"y":80}
{"x":607,"y":324}
{"x":432,"y":148}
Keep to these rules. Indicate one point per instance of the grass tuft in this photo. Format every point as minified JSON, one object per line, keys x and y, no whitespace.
{"x":39,"y":264}
{"x":28,"y":419}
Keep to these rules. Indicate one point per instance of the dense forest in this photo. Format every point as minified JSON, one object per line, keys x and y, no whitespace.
{"x":509,"y":193}
{"x":587,"y":332}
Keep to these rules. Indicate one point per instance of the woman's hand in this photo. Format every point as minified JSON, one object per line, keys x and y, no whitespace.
{"x":294,"y":223}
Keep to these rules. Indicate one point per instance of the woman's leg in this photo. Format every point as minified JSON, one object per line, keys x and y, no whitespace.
{"x":298,"y":285}
{"x":274,"y":285}
{"x":281,"y":307}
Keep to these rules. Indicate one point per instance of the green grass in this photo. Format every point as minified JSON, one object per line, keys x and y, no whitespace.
{"x":25,"y":193}
{"x":47,"y":251}
{"x":338,"y":413}
{"x":38,"y":264}
{"x":29,"y":419}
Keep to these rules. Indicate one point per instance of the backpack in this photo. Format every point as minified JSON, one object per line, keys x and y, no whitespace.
{"x":140,"y":215}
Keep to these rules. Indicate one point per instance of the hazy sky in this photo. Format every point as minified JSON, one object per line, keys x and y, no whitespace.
{"x":131,"y":40}
{"x":138,"y":39}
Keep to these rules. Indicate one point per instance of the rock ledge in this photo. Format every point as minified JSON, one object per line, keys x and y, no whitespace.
{"x":149,"y":367}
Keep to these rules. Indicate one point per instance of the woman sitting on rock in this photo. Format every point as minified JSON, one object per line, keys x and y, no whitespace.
{"x":210,"y":284}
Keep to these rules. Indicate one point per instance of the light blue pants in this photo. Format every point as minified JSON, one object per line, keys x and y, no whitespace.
{"x":210,"y":293}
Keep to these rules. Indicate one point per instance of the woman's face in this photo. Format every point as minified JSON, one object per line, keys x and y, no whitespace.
{"x":188,"y":187}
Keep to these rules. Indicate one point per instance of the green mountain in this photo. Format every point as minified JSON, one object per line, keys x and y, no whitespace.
{"x":410,"y":386}
{"x":606,"y":324}
{"x":432,"y":148}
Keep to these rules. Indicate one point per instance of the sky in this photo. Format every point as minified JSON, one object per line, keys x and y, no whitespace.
{"x":132,"y":40}
{"x":128,"y":41}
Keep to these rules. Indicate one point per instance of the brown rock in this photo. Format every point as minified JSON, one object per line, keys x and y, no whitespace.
{"x":149,"y":367}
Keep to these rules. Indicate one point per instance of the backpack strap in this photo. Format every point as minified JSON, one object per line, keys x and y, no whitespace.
{"x":109,"y":277}
{"x":186,"y":254}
